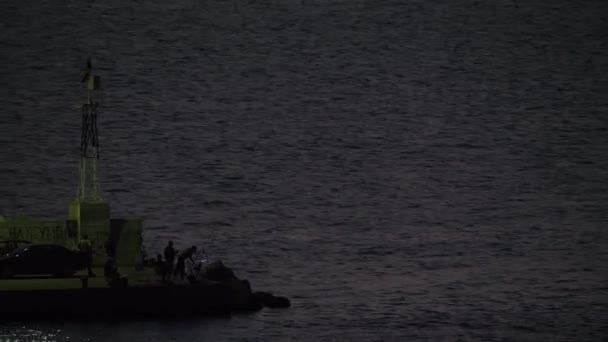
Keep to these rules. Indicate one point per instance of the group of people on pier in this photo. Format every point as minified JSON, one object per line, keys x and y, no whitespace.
{"x":176,"y":266}
{"x":180,"y":266}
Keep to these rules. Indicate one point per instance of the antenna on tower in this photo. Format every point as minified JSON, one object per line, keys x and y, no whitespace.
{"x":88,"y":189}
{"x":90,"y":213}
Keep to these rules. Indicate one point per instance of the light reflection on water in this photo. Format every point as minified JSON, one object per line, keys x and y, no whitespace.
{"x":28,"y":333}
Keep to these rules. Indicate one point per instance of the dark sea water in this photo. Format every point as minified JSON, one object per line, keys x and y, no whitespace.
{"x":401,"y":170}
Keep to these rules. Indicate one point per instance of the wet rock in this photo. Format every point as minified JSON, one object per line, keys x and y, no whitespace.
{"x":271,"y":301}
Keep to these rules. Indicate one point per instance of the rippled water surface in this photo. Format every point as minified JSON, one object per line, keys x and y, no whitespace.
{"x":402,"y":170}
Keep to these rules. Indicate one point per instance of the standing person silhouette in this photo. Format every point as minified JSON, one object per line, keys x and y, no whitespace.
{"x":169,"y":259}
{"x":87,"y":252}
{"x":180,"y":269}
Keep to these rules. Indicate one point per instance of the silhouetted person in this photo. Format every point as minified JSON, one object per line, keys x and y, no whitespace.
{"x":202,"y":256}
{"x":110,"y":247}
{"x":180,"y":268}
{"x":86,"y":251}
{"x":110,"y":270}
{"x":169,"y":258}
{"x":161,"y":267}
{"x":190,"y":252}
{"x":189,"y":266}
{"x":112,"y":275}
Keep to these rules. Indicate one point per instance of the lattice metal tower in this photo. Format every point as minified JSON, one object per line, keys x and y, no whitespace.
{"x":88,"y":190}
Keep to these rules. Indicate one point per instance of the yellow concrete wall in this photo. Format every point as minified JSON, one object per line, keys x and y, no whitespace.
{"x":94,"y":221}
{"x":126,"y":232}
{"x":35,"y":230}
{"x":128,"y":235}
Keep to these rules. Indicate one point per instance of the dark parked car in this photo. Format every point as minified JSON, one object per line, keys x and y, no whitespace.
{"x":7,"y":246}
{"x":41,"y":259}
